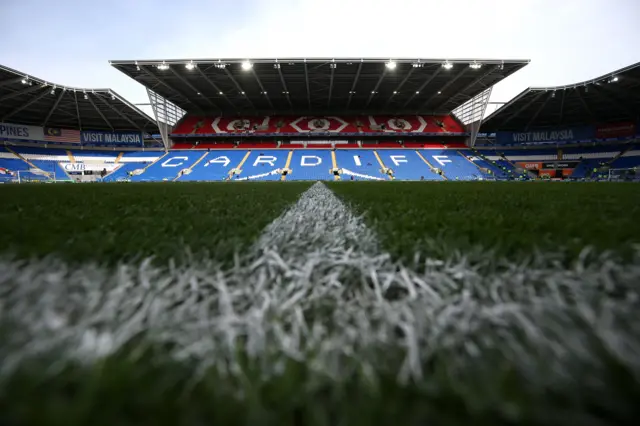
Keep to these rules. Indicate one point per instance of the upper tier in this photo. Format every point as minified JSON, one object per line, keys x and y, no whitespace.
{"x":413,"y":125}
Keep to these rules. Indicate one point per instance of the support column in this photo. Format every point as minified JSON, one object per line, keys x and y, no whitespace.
{"x":167,"y":114}
{"x":471,"y":114}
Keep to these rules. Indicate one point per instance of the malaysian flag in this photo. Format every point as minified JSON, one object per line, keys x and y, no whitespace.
{"x":61,"y":135}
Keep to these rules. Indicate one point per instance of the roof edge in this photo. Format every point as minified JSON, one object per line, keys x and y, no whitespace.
{"x":107,"y":91}
{"x":318,"y":60}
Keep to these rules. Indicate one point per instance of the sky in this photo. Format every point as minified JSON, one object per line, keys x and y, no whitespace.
{"x":70,"y":42}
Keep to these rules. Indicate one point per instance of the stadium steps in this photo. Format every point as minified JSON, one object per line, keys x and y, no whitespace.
{"x":620,"y":154}
{"x":334,"y":164}
{"x":381,"y":162}
{"x":191,"y":166}
{"x":492,"y":162}
{"x":71,"y":157}
{"x":469,"y":160}
{"x":119,"y":157}
{"x":27,"y":161}
{"x":531,"y":175}
{"x":239,"y":166}
{"x":431,"y":168}
{"x":286,"y":165}
{"x":154,"y":162}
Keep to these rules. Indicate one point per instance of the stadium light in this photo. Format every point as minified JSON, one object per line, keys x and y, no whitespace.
{"x":190,"y":66}
{"x":439,"y":93}
{"x":220,"y":93}
{"x":113,"y":97}
{"x":352,"y":92}
{"x":246,"y":65}
{"x":395,"y":92}
{"x":53,"y":91}
{"x":614,"y":79}
{"x":25,"y":80}
{"x":417,"y":92}
{"x":447,"y":65}
{"x":242,"y":93}
{"x":391,"y":65}
{"x":86,"y":96}
{"x":475,"y":65}
{"x":163,"y":67}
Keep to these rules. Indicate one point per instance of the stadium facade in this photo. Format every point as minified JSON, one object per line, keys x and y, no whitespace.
{"x":319,"y":119}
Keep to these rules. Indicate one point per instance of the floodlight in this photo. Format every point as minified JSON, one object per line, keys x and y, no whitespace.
{"x":447,"y":65}
{"x":614,"y":79}
{"x":53,"y":91}
{"x":391,"y":65}
{"x":395,"y":92}
{"x":475,"y":65}
{"x":417,"y":92}
{"x":86,"y":96}
{"x":242,"y":93}
{"x":163,"y":67}
{"x":190,"y":66}
{"x":246,"y":65}
{"x":25,"y":80}
{"x":220,"y":93}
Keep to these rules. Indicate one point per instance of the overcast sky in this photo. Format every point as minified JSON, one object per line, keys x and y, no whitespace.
{"x":70,"y":41}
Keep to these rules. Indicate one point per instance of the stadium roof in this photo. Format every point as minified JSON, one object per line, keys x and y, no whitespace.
{"x":613,"y":97}
{"x":318,"y":85}
{"x":25,"y":99}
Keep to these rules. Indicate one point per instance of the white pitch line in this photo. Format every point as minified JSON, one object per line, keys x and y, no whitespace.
{"x":317,"y":287}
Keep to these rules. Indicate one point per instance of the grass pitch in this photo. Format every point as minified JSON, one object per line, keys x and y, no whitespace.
{"x":132,"y":221}
{"x":505,"y":219}
{"x":313,"y":323}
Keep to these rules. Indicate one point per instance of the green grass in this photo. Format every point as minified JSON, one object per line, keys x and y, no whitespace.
{"x":494,"y":349}
{"x":511,"y":218}
{"x":109,"y":223}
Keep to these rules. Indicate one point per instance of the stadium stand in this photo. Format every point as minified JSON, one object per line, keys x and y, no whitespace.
{"x":311,"y":165}
{"x":263,"y":165}
{"x":408,"y":165}
{"x":215,"y":166}
{"x":221,"y":126}
{"x":360,"y":164}
{"x":123,"y":172}
{"x":378,"y":135}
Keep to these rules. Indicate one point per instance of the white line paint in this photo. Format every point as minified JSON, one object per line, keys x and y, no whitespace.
{"x":317,"y":287}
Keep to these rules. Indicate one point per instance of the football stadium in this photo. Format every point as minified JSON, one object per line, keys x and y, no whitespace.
{"x":320,"y":241}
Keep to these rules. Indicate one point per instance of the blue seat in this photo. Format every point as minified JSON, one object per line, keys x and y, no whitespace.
{"x":264,"y":165}
{"x":311,"y":164}
{"x":215,"y":166}
{"x":407,"y":165}
{"x":361,"y":164}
